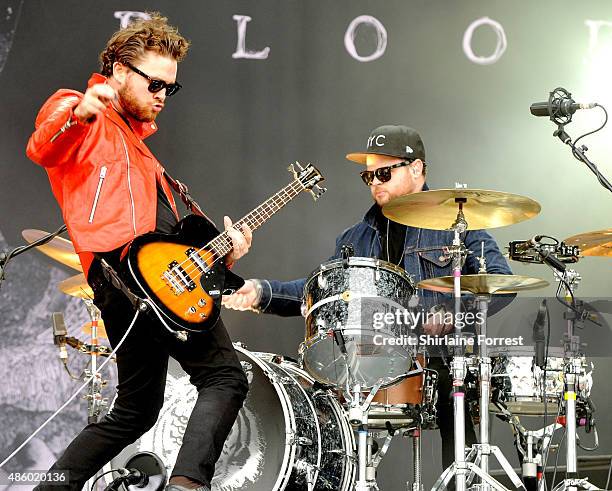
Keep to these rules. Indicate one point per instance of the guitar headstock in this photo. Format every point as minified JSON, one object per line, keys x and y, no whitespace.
{"x":308,"y":177}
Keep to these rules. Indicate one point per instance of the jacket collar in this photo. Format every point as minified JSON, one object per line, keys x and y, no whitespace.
{"x":370,"y":216}
{"x":141,"y":129}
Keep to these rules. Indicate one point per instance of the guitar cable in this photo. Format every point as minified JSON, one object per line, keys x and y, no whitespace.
{"x":85,"y":384}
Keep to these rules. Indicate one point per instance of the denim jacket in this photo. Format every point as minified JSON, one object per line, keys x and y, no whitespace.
{"x":423,"y":259}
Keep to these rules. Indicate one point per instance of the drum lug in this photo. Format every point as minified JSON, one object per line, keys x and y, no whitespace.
{"x":303,"y":441}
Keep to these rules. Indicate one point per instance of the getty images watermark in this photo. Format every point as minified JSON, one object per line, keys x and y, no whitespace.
{"x":437,"y":328}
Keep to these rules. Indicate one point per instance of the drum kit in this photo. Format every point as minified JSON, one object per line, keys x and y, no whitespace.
{"x":312,"y":424}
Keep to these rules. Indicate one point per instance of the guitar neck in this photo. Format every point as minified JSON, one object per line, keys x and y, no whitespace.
{"x":222,"y":244}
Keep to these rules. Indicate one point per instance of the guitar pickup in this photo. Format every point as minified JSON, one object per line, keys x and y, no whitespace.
{"x":197,"y":260}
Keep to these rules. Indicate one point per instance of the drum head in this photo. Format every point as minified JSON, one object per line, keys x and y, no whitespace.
{"x":253,"y":456}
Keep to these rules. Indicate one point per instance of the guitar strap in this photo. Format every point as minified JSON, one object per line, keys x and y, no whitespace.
{"x":183,"y":192}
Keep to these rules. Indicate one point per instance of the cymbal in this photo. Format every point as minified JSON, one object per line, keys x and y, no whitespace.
{"x":86,"y":329}
{"x":76,"y":286}
{"x":483,"y":209}
{"x":484,"y":283}
{"x":58,"y":248}
{"x":598,"y":243}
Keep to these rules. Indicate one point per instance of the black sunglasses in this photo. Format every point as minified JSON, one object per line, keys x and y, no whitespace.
{"x":383,"y":174}
{"x":156,"y":85}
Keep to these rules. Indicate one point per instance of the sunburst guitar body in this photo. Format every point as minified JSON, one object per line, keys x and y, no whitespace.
{"x":183,"y":275}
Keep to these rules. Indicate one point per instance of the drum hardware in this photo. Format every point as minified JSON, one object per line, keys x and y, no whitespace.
{"x":534,"y":250}
{"x":95,"y":401}
{"x":417,"y":484}
{"x":483,"y":210}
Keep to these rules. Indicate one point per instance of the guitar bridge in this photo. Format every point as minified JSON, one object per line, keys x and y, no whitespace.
{"x":178,"y":279}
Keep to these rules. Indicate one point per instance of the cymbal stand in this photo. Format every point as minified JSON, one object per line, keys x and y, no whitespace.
{"x":483,"y":450}
{"x":459,"y":468}
{"x":95,"y":401}
{"x":572,"y":370}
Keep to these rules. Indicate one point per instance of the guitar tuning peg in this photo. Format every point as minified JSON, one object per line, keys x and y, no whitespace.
{"x":316,"y":191}
{"x":299,"y":167}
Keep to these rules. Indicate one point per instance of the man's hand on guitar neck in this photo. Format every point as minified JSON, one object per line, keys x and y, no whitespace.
{"x":241,"y":241}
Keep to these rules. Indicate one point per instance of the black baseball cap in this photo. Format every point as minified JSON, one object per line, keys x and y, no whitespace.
{"x":392,"y":140}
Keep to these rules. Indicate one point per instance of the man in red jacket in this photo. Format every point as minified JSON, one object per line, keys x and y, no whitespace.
{"x":111,"y":189}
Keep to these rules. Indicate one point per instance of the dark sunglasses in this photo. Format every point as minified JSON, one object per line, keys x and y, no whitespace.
{"x":383,"y":174}
{"x":156,"y":85}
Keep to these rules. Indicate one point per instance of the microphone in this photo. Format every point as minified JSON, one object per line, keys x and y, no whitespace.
{"x":528,"y":244}
{"x":559,"y":107}
{"x":538,"y":336}
{"x":549,"y":258}
{"x":59,"y":334}
{"x":128,"y":477}
{"x":136,"y":478}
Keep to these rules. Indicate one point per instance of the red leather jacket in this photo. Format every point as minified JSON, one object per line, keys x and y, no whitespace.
{"x":102,"y":174}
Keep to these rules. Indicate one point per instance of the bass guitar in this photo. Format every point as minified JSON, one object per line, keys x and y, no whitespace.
{"x":183,"y":274}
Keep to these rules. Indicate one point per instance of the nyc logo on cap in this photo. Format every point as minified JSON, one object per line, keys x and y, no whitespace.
{"x":378,"y":140}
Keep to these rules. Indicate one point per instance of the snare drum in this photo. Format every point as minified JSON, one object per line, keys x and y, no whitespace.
{"x":346,"y":336}
{"x":520,"y":382}
{"x":404,"y":403}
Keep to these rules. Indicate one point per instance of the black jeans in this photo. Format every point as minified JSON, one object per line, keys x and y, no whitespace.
{"x":142,"y":362}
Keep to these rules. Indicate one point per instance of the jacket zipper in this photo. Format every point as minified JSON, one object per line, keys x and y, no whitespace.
{"x":127,"y":157}
{"x":97,"y":196}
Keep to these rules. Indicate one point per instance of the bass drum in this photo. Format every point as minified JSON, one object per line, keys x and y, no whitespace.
{"x":287,"y":434}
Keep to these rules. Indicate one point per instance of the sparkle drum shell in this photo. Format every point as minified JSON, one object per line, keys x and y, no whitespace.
{"x":344,"y":303}
{"x":522,"y":385}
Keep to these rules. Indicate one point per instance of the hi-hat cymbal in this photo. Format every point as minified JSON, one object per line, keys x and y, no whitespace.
{"x":482,"y":209}
{"x":598,"y":243}
{"x":86,"y":329}
{"x":58,"y":248}
{"x":76,"y":286}
{"x":484,"y":283}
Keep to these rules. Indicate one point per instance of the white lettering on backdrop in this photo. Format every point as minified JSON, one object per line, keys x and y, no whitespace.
{"x":127,"y":16}
{"x":381,"y":34}
{"x":241,"y":51}
{"x":502,"y":43}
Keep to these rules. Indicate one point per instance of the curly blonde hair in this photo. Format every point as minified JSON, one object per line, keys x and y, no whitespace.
{"x":131,"y":43}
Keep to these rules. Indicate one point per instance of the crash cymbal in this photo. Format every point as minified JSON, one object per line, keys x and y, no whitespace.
{"x":86,"y":329}
{"x":484,"y":283}
{"x":482,"y":209}
{"x":598,"y":243}
{"x":59,"y":249}
{"x":76,"y":286}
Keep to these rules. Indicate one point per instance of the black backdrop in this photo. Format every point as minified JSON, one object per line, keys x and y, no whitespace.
{"x":238,"y":122}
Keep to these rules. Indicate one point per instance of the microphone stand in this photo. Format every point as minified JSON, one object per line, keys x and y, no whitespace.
{"x":6,"y":257}
{"x":579,"y":152}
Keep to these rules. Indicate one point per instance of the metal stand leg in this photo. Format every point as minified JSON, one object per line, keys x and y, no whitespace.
{"x":572,"y":373}
{"x":417,"y":484}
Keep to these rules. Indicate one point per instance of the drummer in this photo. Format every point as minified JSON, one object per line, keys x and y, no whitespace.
{"x":395,"y":166}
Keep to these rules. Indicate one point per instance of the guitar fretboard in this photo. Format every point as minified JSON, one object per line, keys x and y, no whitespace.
{"x":222,"y":244}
